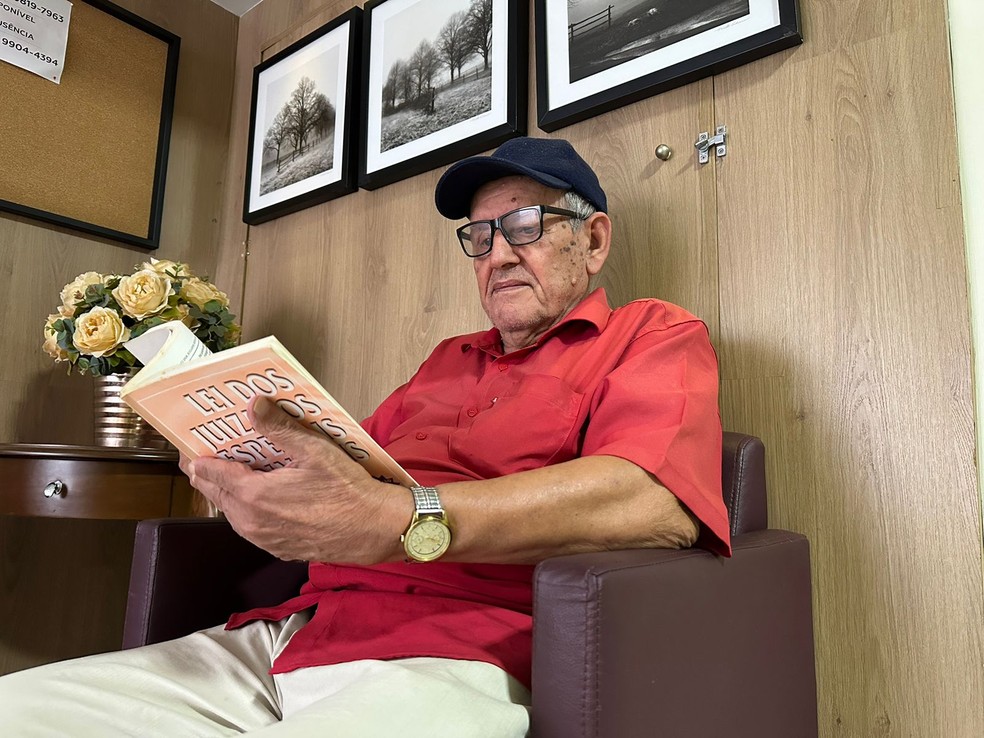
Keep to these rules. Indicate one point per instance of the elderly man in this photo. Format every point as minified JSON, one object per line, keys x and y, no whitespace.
{"x":567,"y":427}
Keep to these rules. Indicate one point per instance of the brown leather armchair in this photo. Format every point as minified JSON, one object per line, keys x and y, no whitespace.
{"x":625,"y":643}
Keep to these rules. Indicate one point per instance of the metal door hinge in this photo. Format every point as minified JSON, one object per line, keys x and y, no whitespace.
{"x":704,"y":143}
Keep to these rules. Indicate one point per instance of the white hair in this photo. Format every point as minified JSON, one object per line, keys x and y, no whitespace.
{"x":579,"y":205}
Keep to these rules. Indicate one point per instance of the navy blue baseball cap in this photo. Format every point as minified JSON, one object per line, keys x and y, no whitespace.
{"x":550,"y":161}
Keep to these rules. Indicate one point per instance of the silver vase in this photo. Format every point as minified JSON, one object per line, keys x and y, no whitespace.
{"x":116,"y":424}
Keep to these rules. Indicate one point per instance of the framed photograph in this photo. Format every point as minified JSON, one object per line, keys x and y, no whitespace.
{"x":597,"y":55}
{"x":442,"y":79}
{"x":302,"y":122}
{"x":90,"y":153}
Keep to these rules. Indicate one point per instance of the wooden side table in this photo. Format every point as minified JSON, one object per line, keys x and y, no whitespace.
{"x":95,"y":483}
{"x":67,"y":521}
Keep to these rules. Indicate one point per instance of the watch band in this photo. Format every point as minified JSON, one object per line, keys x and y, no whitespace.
{"x":426,"y":501}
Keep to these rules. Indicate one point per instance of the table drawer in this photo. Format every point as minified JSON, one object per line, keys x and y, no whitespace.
{"x":109,"y":490}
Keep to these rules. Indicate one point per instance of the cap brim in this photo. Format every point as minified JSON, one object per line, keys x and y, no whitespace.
{"x":458,"y":185}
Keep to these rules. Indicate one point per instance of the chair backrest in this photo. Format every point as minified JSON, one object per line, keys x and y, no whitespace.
{"x":743,"y":483}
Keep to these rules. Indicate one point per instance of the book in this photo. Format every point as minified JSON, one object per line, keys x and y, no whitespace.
{"x":197,"y":400}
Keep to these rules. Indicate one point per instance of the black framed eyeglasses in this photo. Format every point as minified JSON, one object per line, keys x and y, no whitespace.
{"x":519,"y":227}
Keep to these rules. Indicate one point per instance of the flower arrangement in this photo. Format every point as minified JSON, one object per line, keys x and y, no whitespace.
{"x":100,"y":312}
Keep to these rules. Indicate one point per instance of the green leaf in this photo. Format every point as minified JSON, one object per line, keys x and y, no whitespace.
{"x":126,"y":357}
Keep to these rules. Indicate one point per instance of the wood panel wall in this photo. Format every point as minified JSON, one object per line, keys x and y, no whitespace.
{"x":63,"y":583}
{"x":846,"y":345}
{"x":825,"y":252}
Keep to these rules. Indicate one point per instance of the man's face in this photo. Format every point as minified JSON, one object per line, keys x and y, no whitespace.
{"x":527,"y":289}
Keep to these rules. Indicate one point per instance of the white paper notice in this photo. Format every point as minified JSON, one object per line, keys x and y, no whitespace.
{"x":33,"y":35}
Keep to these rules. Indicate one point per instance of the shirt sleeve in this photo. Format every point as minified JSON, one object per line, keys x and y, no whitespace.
{"x":659,"y":409}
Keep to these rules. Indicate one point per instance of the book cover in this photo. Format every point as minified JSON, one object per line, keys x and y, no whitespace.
{"x":198,"y":401}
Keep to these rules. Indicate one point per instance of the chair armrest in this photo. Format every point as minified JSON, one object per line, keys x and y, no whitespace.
{"x":192,"y":573}
{"x":657,"y":642}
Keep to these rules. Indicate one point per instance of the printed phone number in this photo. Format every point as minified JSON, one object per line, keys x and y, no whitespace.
{"x":40,"y":9}
{"x":37,"y":54}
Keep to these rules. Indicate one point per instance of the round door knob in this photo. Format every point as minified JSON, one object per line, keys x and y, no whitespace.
{"x":663,"y":152}
{"x":54,"y":489}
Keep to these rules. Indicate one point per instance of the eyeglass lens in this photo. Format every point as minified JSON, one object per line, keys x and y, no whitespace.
{"x":520,"y":227}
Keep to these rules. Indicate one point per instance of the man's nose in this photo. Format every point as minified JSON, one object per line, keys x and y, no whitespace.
{"x":503,"y":253}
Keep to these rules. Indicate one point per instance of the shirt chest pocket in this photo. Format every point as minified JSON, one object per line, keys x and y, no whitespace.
{"x":518,"y":426}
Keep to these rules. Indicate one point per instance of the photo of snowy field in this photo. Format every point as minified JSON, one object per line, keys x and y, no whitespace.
{"x":299,"y":141}
{"x":465,"y":100}
{"x":302,"y":130}
{"x":606,"y":33}
{"x":435,"y":78}
{"x":318,"y":158}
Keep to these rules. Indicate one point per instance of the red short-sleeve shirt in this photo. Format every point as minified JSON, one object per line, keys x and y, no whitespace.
{"x":639,"y":382}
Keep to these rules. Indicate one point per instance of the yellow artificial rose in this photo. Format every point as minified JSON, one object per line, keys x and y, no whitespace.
{"x":99,"y":332}
{"x":166,"y":266}
{"x":198,"y":292}
{"x":75,"y":290}
{"x":143,"y":293}
{"x":50,"y":344}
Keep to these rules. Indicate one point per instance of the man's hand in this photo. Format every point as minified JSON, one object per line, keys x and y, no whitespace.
{"x":322,"y":507}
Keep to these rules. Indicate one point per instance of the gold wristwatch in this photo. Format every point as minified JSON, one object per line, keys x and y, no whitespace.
{"x":429,"y":533}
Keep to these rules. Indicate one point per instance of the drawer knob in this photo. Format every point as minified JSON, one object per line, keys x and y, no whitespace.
{"x":54,"y":489}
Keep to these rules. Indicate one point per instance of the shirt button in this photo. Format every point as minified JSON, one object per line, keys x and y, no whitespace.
{"x":421,"y":436}
{"x":503,"y":367}
{"x":472,"y":412}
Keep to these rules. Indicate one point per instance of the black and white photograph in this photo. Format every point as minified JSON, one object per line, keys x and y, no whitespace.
{"x":603,"y":34}
{"x":597,"y":55}
{"x":440,"y":75}
{"x":301,"y":123}
{"x":442,"y":79}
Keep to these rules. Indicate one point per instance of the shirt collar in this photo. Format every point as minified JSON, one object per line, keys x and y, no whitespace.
{"x":593,"y":310}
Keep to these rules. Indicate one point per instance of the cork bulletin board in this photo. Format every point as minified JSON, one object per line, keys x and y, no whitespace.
{"x":91,"y":153}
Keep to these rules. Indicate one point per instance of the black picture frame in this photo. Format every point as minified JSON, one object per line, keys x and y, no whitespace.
{"x":648,"y":48}
{"x":285,"y":110}
{"x":81,"y":120}
{"x":408,"y":140}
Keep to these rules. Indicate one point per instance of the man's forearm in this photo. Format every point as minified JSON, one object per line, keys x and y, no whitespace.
{"x":588,"y":504}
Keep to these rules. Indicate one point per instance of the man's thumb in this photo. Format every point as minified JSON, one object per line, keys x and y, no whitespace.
{"x":282,"y":429}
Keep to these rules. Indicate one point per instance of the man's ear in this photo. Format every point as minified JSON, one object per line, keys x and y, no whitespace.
{"x":599,"y":230}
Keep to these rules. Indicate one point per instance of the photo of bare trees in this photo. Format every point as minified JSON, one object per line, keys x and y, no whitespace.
{"x":302,"y":127}
{"x":605,"y":33}
{"x":299,"y":141}
{"x":437,"y":62}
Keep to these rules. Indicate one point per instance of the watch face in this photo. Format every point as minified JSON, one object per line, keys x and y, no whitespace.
{"x":427,"y":540}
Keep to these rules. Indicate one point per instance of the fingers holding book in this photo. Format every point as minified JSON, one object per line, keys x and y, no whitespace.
{"x":322,"y":506}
